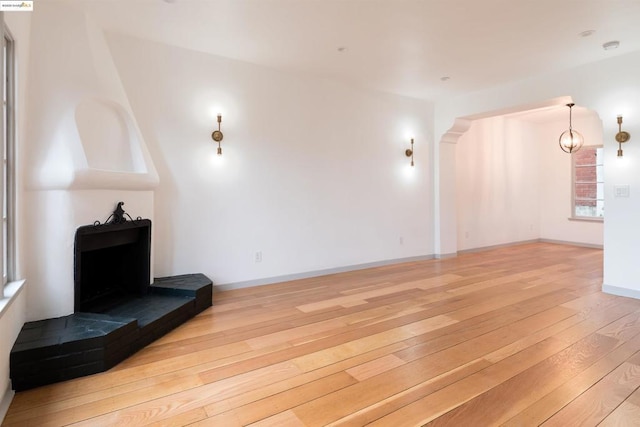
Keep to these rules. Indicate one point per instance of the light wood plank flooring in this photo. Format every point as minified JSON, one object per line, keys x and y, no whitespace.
{"x":514,"y":336}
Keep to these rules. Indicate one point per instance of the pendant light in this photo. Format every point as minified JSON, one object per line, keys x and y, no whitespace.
{"x":570,"y":140}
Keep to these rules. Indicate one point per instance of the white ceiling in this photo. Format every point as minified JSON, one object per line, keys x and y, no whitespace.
{"x":398,"y":46}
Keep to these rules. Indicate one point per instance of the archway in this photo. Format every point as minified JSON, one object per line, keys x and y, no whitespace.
{"x":500,"y":182}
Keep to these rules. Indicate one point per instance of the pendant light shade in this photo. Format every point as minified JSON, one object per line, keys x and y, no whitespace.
{"x":571,"y":140}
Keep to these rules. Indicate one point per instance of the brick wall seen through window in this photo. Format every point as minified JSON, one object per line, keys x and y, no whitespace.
{"x":588,"y":183}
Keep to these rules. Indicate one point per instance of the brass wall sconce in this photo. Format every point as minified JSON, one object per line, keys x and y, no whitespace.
{"x":409,"y":152}
{"x":621,"y":136}
{"x":217,"y":135}
{"x":570,"y":140}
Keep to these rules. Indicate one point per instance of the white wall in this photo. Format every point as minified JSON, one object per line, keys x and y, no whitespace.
{"x":555,"y":182}
{"x":609,"y":87}
{"x":83,"y":134}
{"x":313,"y":173}
{"x":497,"y":183}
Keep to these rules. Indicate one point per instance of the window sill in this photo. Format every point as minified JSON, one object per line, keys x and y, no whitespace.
{"x":586,"y":219}
{"x":11,"y":292}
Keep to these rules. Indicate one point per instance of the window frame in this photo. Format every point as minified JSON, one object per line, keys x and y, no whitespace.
{"x":7,"y":175}
{"x":574,"y":182}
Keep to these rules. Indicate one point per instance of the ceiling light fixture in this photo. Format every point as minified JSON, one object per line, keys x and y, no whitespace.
{"x":586,"y":33}
{"x":570,"y":140}
{"x":611,"y":45}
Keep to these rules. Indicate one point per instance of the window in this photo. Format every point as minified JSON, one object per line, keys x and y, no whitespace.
{"x":7,"y":180}
{"x":588,"y":183}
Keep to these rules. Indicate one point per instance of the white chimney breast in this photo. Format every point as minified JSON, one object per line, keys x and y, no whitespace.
{"x":84,"y":148}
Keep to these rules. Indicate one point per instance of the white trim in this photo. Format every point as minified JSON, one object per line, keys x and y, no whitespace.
{"x":11,"y":160}
{"x":317,"y":273}
{"x":563,"y":242}
{"x":502,"y":245}
{"x":524,"y":242}
{"x":587,"y":218}
{"x":7,"y":152}
{"x":11,"y":292}
{"x":573,"y":216}
{"x":445,"y":256}
{"x":5,"y":402}
{"x":622,"y":292}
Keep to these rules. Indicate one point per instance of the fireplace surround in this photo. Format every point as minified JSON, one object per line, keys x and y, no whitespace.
{"x":116,"y":309}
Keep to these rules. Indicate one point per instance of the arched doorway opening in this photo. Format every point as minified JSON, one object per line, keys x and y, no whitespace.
{"x":510,"y":182}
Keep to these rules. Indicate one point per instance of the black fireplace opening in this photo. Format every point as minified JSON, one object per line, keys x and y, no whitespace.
{"x":111,"y":264}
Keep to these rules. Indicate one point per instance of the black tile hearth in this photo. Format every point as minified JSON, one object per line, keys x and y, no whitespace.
{"x":186,"y":285}
{"x":80,"y":344}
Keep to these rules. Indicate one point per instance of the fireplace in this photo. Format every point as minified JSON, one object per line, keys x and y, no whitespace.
{"x":112,"y":263}
{"x":116,"y":309}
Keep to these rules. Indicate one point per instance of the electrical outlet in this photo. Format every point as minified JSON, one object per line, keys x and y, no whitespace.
{"x":258,"y":257}
{"x":621,"y":191}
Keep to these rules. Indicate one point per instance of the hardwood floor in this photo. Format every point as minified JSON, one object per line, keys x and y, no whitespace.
{"x":514,"y":336}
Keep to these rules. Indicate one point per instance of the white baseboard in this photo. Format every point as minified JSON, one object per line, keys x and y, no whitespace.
{"x":316,"y":273}
{"x":563,"y":242}
{"x":621,"y":292}
{"x":524,"y":242}
{"x":502,"y":245}
{"x":7,"y":397}
{"x":445,"y":256}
